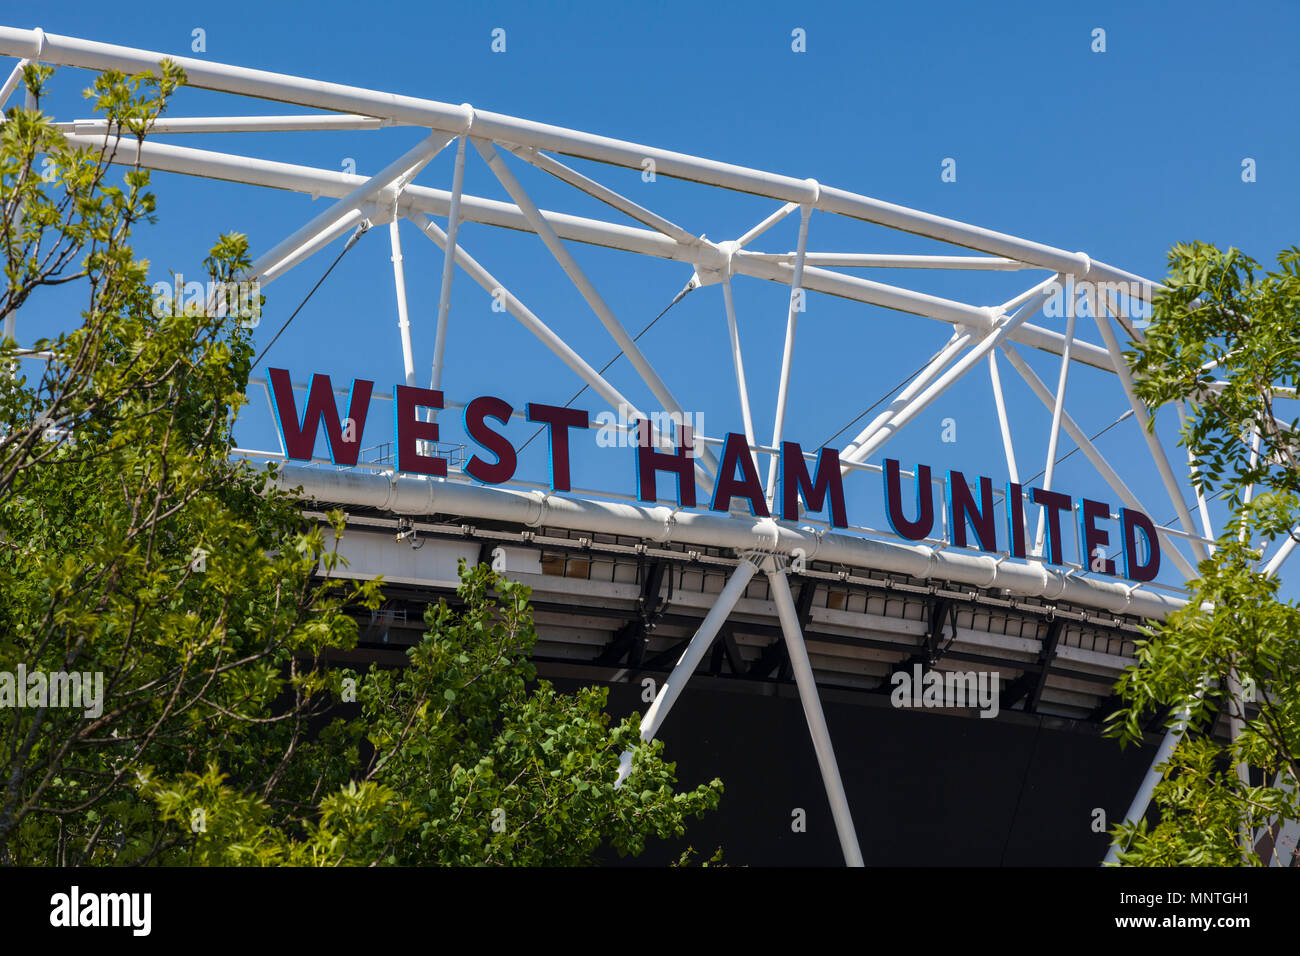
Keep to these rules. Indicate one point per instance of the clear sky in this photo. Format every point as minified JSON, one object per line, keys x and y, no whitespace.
{"x":1118,"y":153}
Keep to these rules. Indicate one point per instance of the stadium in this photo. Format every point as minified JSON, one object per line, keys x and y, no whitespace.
{"x":891,"y":652}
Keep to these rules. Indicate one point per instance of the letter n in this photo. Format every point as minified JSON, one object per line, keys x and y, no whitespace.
{"x":962,"y":507}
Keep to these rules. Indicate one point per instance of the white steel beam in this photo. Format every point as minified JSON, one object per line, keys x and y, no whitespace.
{"x":71,"y":51}
{"x":399,"y":171}
{"x":1101,"y":311}
{"x":526,"y":318}
{"x":11,"y":84}
{"x":1142,"y":799}
{"x":1000,"y":401}
{"x":11,"y":320}
{"x":435,"y":202}
{"x":233,"y":124}
{"x":868,"y":260}
{"x":737,"y":360}
{"x":1283,"y":552}
{"x":766,"y":224}
{"x":812,"y":710}
{"x":867,"y":445}
{"x":795,"y":305}
{"x":542,"y":331}
{"x":581,"y":281}
{"x":699,"y":644}
{"x":448,"y":269}
{"x":1058,"y":406}
{"x":340,"y":227}
{"x":961,"y":337}
{"x":403,"y":317}
{"x":606,"y":195}
{"x":1207,"y":529}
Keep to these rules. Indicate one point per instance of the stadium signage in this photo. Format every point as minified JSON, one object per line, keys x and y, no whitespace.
{"x":969,"y":514}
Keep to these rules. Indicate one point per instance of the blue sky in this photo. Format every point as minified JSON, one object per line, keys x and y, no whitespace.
{"x":1119,"y":154}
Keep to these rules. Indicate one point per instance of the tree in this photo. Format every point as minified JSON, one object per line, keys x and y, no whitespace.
{"x":175,"y":583}
{"x":472,"y":762}
{"x":196,"y":605}
{"x":1225,"y":340}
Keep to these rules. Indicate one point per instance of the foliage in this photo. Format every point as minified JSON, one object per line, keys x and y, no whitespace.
{"x":133,"y":549}
{"x":1225,"y":341}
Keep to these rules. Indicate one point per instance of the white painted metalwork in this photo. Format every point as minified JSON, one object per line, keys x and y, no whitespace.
{"x":672,"y":687}
{"x":812,"y":709}
{"x":787,"y":355}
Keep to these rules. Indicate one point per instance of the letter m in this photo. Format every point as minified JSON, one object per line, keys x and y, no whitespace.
{"x":63,"y":687}
{"x":119,"y":905}
{"x":300,"y":434}
{"x":794,"y":482}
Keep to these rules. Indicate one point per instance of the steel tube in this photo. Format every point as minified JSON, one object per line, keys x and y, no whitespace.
{"x":70,"y":51}
{"x":224,"y":166}
{"x":448,"y":269}
{"x":812,"y":711}
{"x":413,"y":495}
{"x":1101,"y":315}
{"x":415,"y":157}
{"x":672,"y":687}
{"x":959,"y":340}
{"x":787,"y":353}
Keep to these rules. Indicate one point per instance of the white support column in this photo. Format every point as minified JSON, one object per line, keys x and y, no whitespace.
{"x":11,"y":84}
{"x":1101,"y":312}
{"x":11,"y":320}
{"x":671,"y":688}
{"x":269,"y":265}
{"x":1142,"y":799}
{"x":1000,"y":401}
{"x":812,"y":711}
{"x":448,"y":270}
{"x":1207,"y":529}
{"x":1283,"y":552}
{"x":1098,"y":460}
{"x":403,"y":316}
{"x":1058,"y":407}
{"x":787,"y":355}
{"x":737,"y":361}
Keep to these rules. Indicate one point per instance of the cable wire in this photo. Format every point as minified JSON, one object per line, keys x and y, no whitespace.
{"x":361,"y":231}
{"x":576,"y":395}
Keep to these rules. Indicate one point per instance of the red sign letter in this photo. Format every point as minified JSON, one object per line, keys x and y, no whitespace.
{"x":408,"y":429}
{"x":300,"y":440}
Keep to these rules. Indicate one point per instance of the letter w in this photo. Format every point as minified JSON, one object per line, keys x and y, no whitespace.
{"x":300,"y":439}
